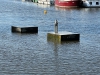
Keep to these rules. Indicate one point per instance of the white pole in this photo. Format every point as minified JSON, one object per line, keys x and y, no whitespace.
{"x":56,"y":26}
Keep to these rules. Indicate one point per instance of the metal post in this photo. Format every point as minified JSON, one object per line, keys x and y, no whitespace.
{"x":56,"y":26}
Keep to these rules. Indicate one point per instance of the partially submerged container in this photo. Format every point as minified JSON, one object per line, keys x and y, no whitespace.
{"x":24,"y":29}
{"x":63,"y":36}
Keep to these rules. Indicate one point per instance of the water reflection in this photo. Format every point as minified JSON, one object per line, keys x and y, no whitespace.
{"x":24,"y":34}
{"x":56,"y":62}
{"x":27,"y":0}
{"x":91,"y":9}
{"x":62,"y":55}
{"x":64,"y":9}
{"x":43,"y":6}
{"x":83,"y":9}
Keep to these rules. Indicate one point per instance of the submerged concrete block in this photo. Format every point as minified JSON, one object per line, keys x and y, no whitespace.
{"x":63,"y":36}
{"x":25,"y":29}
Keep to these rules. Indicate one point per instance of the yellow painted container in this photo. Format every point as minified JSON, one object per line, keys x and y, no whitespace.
{"x":63,"y":37}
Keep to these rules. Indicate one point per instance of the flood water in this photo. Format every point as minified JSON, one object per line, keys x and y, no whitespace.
{"x":32,"y":54}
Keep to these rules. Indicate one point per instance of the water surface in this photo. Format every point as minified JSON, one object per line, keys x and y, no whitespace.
{"x":32,"y":54}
